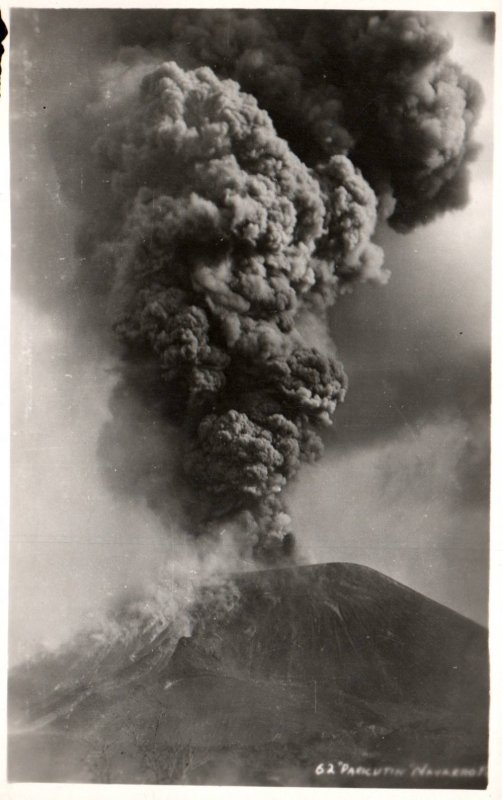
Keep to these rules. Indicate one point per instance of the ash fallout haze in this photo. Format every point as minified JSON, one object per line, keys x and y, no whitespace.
{"x":251,"y":308}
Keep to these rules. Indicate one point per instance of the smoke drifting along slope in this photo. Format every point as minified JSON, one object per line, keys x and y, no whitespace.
{"x":208,"y":243}
{"x":279,"y":670}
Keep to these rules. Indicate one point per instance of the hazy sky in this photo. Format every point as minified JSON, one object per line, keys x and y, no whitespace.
{"x":403,"y":485}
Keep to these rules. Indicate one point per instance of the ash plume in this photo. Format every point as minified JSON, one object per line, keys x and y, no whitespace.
{"x":230,"y":169}
{"x":377,"y":86}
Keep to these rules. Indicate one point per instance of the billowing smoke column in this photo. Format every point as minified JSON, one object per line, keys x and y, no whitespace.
{"x":209,"y":242}
{"x":223,"y":239}
{"x":378,"y":87}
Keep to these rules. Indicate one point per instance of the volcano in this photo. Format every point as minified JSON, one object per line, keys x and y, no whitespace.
{"x":324,"y":675}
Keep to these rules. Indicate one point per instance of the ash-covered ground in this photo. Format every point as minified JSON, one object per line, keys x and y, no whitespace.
{"x":328,"y":675}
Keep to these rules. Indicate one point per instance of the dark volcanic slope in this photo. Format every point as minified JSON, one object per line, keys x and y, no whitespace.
{"x":309,"y":665}
{"x":349,"y":625}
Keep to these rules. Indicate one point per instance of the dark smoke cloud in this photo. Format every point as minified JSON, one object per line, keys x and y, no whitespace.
{"x":207,"y":241}
{"x":376,"y":86}
{"x":207,"y":233}
{"x":487,"y":27}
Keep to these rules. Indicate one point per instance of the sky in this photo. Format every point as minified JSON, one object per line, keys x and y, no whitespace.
{"x":402,"y":487}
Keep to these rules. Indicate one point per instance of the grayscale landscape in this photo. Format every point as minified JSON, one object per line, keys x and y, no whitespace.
{"x":251,"y":255}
